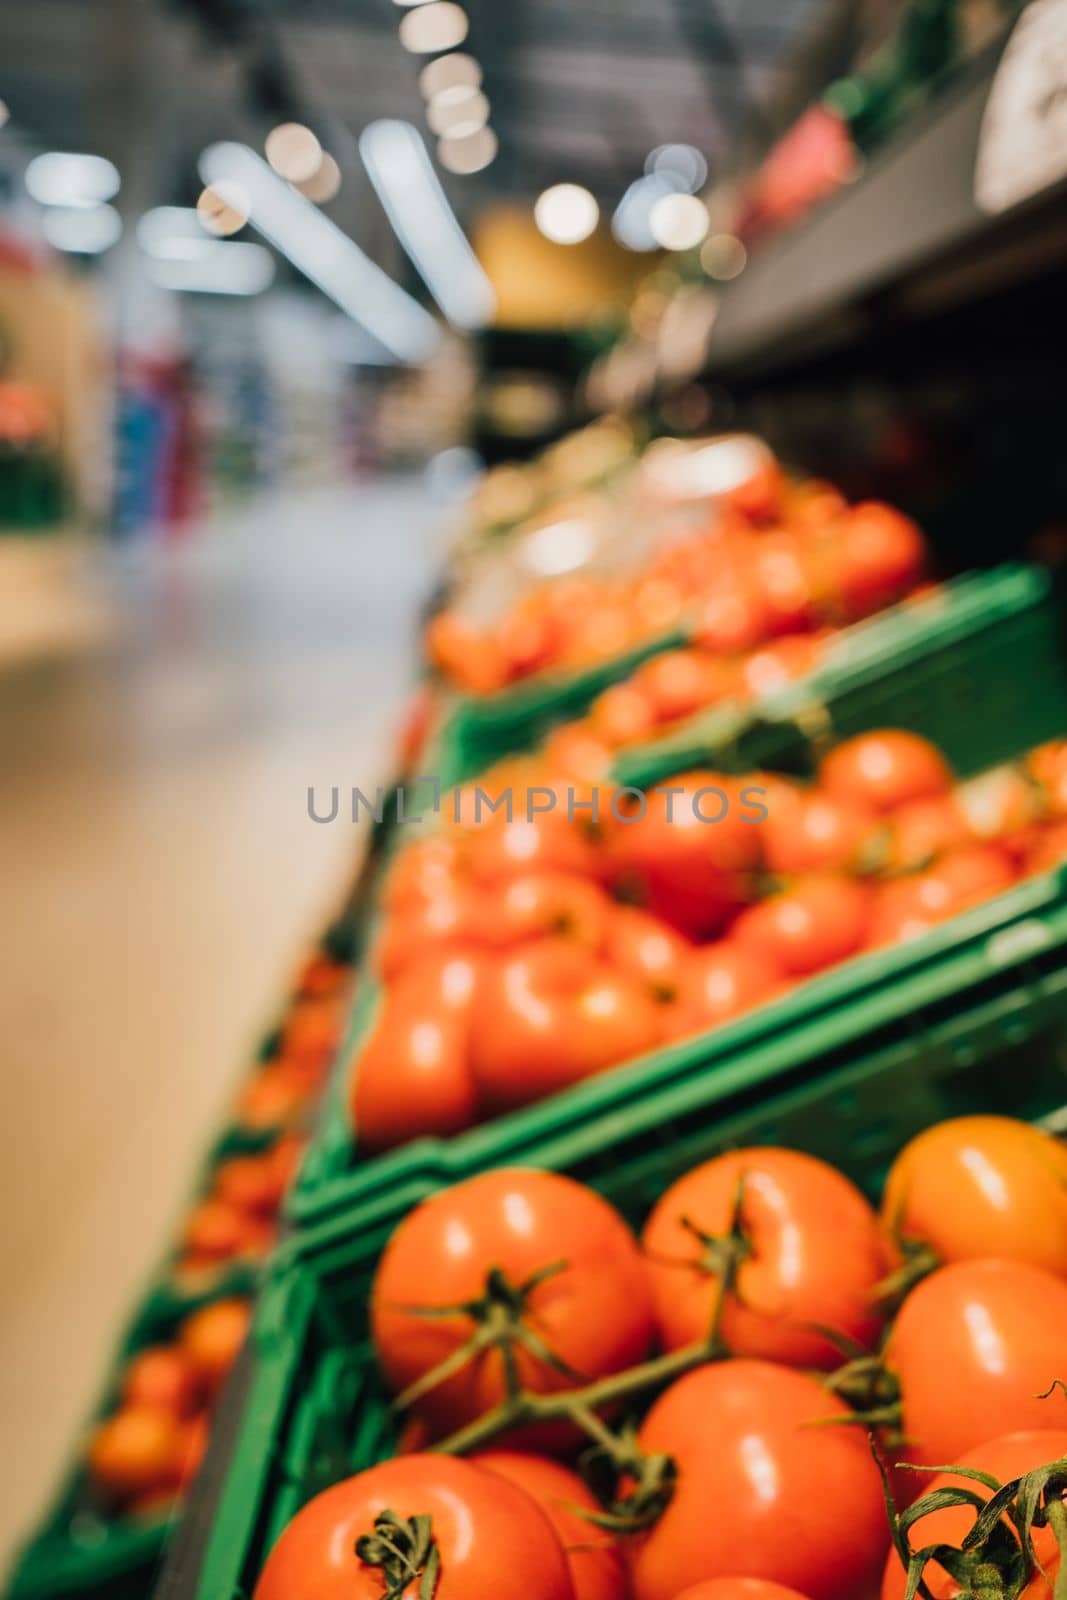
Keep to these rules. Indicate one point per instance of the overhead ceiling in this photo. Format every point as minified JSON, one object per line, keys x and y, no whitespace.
{"x":581,"y":90}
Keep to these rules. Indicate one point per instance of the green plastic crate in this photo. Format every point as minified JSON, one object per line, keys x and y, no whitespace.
{"x":978,"y":1027}
{"x":77,"y":1552}
{"x":988,"y":681}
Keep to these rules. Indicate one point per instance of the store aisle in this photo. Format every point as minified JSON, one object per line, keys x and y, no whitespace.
{"x":159,"y":875}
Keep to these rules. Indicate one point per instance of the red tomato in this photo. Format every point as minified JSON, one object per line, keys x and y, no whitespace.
{"x":216,"y":1231}
{"x":813,"y":1254}
{"x":686,"y":850}
{"x":1002,"y":1325}
{"x":311,"y":1030}
{"x":163,"y":1378}
{"x":886,"y":769}
{"x":808,"y":831}
{"x":982,"y":1186}
{"x":421,"y":872}
{"x":575,"y":751}
{"x":735,"y":616}
{"x":798,"y":1504}
{"x":820,"y":921}
{"x":921,"y":830}
{"x":791,"y":585}
{"x":907,"y":907}
{"x":642,"y":947}
{"x":412,"y":1078}
{"x":595,"y":1561}
{"x":679,"y":682}
{"x":622,"y":715}
{"x":1048,"y":850}
{"x":460,"y":915}
{"x":1047,"y":765}
{"x":738,"y":1589}
{"x":543,"y":903}
{"x":595,"y":1313}
{"x":1005,"y":1458}
{"x":879,"y":555}
{"x":276,"y":1096}
{"x":551,"y":1014}
{"x":469,"y":655}
{"x":491,"y":1537}
{"x":531,"y":843}
{"x":254,"y":1184}
{"x":723,"y":980}
{"x":136,"y":1451}
{"x":213,"y":1337}
{"x":769,"y":669}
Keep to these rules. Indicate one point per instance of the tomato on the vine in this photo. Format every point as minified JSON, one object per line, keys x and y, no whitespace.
{"x":982,"y":1186}
{"x":977,"y":1348}
{"x":357,"y":1540}
{"x":593,"y":1556}
{"x":1007,"y":1457}
{"x":803,"y":1244}
{"x":593,"y":1312}
{"x":763,"y":1490}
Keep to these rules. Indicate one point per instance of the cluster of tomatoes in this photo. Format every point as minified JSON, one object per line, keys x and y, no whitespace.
{"x":689,"y":1414}
{"x":780,"y":560}
{"x":280,"y":1092}
{"x":522,"y":954}
{"x":237,"y":1219}
{"x":146,"y":1453}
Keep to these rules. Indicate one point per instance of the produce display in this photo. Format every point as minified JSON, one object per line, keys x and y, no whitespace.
{"x":746,"y":1396}
{"x":521,"y":954}
{"x":748,"y":556}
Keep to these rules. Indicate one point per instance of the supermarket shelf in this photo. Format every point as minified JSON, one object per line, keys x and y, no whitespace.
{"x":908,"y":238}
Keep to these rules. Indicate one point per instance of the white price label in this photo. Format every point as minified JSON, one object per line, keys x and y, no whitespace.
{"x":1022,"y":148}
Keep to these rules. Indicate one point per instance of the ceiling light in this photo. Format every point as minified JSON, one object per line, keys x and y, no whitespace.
{"x":566,"y":213}
{"x":449,"y":72}
{"x":458,"y":119}
{"x":682,"y":162}
{"x":723,"y":256}
{"x":326,"y":183}
{"x":82,"y":230}
{"x":424,"y":222}
{"x":293,"y":151}
{"x":62,"y":178}
{"x":325,"y":255}
{"x":678,"y":221}
{"x":436,"y":26}
{"x":227,"y":268}
{"x":223,"y":208}
{"x":468,"y":155}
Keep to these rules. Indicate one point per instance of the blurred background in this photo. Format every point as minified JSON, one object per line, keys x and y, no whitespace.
{"x":279,"y":282}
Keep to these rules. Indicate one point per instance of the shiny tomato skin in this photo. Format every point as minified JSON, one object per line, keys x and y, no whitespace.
{"x":1002,"y":1327}
{"x":679,"y":683}
{"x":982,"y":1186}
{"x":795,"y":1503}
{"x":921,"y":830}
{"x":783,"y":660}
{"x":458,"y":915}
{"x":724,"y":980}
{"x":492,"y":1538}
{"x":212,"y":1338}
{"x":412,"y":1078}
{"x":550,"y":1014}
{"x":818,"y":922}
{"x":816,"y":1253}
{"x":878,"y":556}
{"x":503,"y":849}
{"x":622,"y":715}
{"x":594,"y":1558}
{"x":420,"y":872}
{"x":649,"y":950}
{"x":576,"y":752}
{"x":739,"y":1589}
{"x":137,"y":1451}
{"x":538,"y":904}
{"x":1007,"y":1457}
{"x":163,"y":1378}
{"x":808,"y":831}
{"x":734,"y":617}
{"x":886,"y":769}
{"x":676,"y":859}
{"x":596,"y":1313}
